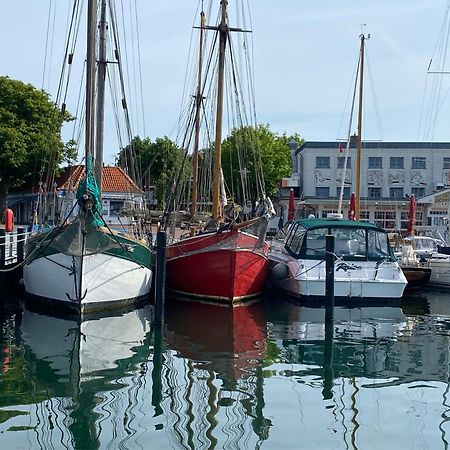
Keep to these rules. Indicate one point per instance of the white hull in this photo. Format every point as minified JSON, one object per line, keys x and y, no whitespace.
{"x":104,"y":341}
{"x":440,"y":269}
{"x":101,"y":281}
{"x":351,"y":279}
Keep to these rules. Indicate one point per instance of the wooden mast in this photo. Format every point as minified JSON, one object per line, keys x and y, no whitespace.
{"x":198,"y":104}
{"x":100,"y":96}
{"x":223,"y":35}
{"x":359,"y":141}
{"x":90,"y":77}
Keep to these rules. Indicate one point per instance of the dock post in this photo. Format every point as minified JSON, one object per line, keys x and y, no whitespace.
{"x":160,"y":276}
{"x":21,"y":236}
{"x":2,"y":256}
{"x":328,"y":372}
{"x":20,"y":245}
{"x":329,"y":279}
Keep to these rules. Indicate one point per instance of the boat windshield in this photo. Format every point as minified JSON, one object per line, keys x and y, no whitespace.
{"x":355,"y":244}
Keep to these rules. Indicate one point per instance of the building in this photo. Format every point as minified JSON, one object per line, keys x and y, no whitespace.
{"x":390,"y":173}
{"x":119,"y":192}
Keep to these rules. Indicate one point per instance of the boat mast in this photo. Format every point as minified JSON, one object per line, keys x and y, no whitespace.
{"x":359,"y":141}
{"x":223,"y":35}
{"x":198,"y":104}
{"x":101,"y":96}
{"x":90,"y":77}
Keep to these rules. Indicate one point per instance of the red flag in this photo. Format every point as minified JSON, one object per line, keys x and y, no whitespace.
{"x":340,"y":147}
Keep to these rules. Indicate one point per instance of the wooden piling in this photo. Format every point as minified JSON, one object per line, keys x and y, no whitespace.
{"x":329,"y":280}
{"x":160,"y":276}
{"x":2,"y":256}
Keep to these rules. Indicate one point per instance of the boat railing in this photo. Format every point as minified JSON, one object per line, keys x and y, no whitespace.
{"x":12,"y":246}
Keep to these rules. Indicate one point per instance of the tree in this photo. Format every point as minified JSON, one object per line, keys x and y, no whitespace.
{"x":157,"y":162}
{"x":30,"y":134}
{"x":259,"y":151}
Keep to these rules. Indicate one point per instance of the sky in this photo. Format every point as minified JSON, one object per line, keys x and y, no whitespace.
{"x":305,"y":57}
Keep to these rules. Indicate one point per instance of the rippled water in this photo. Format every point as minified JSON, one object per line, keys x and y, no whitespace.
{"x":267,"y":375}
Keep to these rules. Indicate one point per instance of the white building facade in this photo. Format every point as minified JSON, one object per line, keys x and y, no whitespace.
{"x":390,"y":173}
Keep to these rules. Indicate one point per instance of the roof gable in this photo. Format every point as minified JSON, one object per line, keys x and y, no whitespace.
{"x":114,"y":179}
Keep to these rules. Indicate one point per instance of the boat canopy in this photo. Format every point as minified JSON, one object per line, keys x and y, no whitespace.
{"x":311,"y":224}
{"x":354,"y":240}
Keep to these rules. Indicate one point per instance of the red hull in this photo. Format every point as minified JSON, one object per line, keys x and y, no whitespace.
{"x":225,"y":266}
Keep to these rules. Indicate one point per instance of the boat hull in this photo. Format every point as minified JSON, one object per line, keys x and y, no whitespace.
{"x":224,"y":266}
{"x":440,"y":269}
{"x":80,"y":279}
{"x":301,"y":279}
{"x":416,"y":276}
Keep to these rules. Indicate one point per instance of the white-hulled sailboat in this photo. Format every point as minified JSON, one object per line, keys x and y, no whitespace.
{"x":82,"y":264}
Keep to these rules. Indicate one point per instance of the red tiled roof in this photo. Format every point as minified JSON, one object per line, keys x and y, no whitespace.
{"x":114,"y":179}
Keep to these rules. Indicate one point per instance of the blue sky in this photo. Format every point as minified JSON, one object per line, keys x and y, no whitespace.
{"x":305,"y":56}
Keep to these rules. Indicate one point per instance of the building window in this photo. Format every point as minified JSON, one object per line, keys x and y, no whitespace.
{"x":325,"y":212}
{"x":375,"y":162}
{"x":418,"y":191}
{"x":323,"y":192}
{"x":322,"y":162}
{"x":446,"y":163}
{"x":374,"y":192}
{"x":396,"y":193}
{"x":346,"y":192}
{"x":418,"y":162}
{"x":364,"y":216}
{"x":396,"y":162}
{"x":385,"y":219}
{"x":115,"y":208}
{"x":340,"y":162}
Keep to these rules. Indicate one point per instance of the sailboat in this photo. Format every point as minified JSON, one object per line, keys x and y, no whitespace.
{"x":82,"y":265}
{"x":365,"y":266}
{"x":226,"y":261}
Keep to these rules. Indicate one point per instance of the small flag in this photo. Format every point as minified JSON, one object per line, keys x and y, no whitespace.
{"x":340,"y":147}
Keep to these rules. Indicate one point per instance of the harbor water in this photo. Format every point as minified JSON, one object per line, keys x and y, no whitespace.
{"x":267,"y":375}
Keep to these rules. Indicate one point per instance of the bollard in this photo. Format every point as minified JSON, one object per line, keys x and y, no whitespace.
{"x":329,"y":279}
{"x":160,"y":276}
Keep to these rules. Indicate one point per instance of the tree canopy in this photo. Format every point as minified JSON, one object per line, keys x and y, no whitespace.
{"x":30,"y":134}
{"x":252,"y":150}
{"x":157,"y":162}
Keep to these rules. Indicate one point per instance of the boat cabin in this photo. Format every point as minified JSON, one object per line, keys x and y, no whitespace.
{"x":354,"y":240}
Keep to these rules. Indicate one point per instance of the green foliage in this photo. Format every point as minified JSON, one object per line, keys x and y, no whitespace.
{"x":261,"y":151}
{"x":158,"y":162}
{"x":30,"y":138}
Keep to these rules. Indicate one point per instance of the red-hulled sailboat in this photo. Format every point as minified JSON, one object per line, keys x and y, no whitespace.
{"x":228,"y":262}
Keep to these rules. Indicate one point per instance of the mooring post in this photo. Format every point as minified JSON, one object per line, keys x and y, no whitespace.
{"x":329,"y":279}
{"x":328,"y":372}
{"x":160,"y":276}
{"x":2,"y":256}
{"x":21,"y":236}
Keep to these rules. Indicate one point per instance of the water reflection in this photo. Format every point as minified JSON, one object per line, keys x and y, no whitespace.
{"x":254,"y":376}
{"x":62,"y":370}
{"x":215,"y":375}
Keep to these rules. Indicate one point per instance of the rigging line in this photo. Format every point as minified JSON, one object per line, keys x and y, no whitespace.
{"x":375,"y":100}
{"x":140,"y":67}
{"x":47,"y":35}
{"x":66,"y":52}
{"x":349,"y":93}
{"x":133,"y":69}
{"x":134,"y":168}
{"x":437,"y":80}
{"x":127,"y":65}
{"x":73,"y":47}
{"x":441,"y":81}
